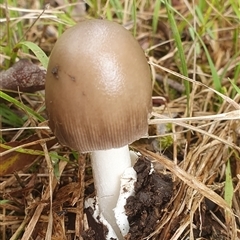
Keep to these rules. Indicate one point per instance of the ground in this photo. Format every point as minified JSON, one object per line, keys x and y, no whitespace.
{"x":193,"y":50}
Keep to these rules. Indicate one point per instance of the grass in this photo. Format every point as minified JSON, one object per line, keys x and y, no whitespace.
{"x":29,"y":111}
{"x":181,"y":56}
{"x":194,"y":53}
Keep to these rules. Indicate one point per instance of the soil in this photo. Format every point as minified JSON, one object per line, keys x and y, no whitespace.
{"x":153,"y":191}
{"x":97,"y":230}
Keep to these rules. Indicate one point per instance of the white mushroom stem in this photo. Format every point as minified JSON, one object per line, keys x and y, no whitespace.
{"x":108,"y":166}
{"x":128,"y":180}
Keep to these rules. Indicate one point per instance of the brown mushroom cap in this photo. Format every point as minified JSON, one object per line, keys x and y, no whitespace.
{"x":98,"y":87}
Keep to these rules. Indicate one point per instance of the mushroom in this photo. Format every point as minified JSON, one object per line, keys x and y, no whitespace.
{"x":98,"y":99}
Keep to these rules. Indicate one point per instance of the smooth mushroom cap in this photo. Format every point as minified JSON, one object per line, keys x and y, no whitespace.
{"x":98,"y":87}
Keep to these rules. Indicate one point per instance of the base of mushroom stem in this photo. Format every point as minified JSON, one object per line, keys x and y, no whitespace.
{"x":96,"y":221}
{"x":103,"y":229}
{"x":143,"y":200}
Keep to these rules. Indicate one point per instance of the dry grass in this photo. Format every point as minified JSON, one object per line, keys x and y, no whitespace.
{"x":45,"y":200}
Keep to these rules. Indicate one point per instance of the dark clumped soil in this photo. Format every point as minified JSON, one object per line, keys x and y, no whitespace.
{"x":97,"y":230}
{"x":153,"y":190}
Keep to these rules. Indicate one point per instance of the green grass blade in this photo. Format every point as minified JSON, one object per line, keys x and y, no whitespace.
{"x":216,"y":79}
{"x":9,"y":117}
{"x":2,"y":202}
{"x":236,"y":7}
{"x":134,"y":16}
{"x":237,"y":89}
{"x":118,"y":9}
{"x":228,"y":193}
{"x":108,"y":12}
{"x":177,"y":38}
{"x":156,"y":15}
{"x":52,"y":154}
{"x":20,"y":105}
{"x":39,"y":53}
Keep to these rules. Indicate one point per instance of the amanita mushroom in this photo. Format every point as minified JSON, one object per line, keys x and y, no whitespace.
{"x":98,"y":99}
